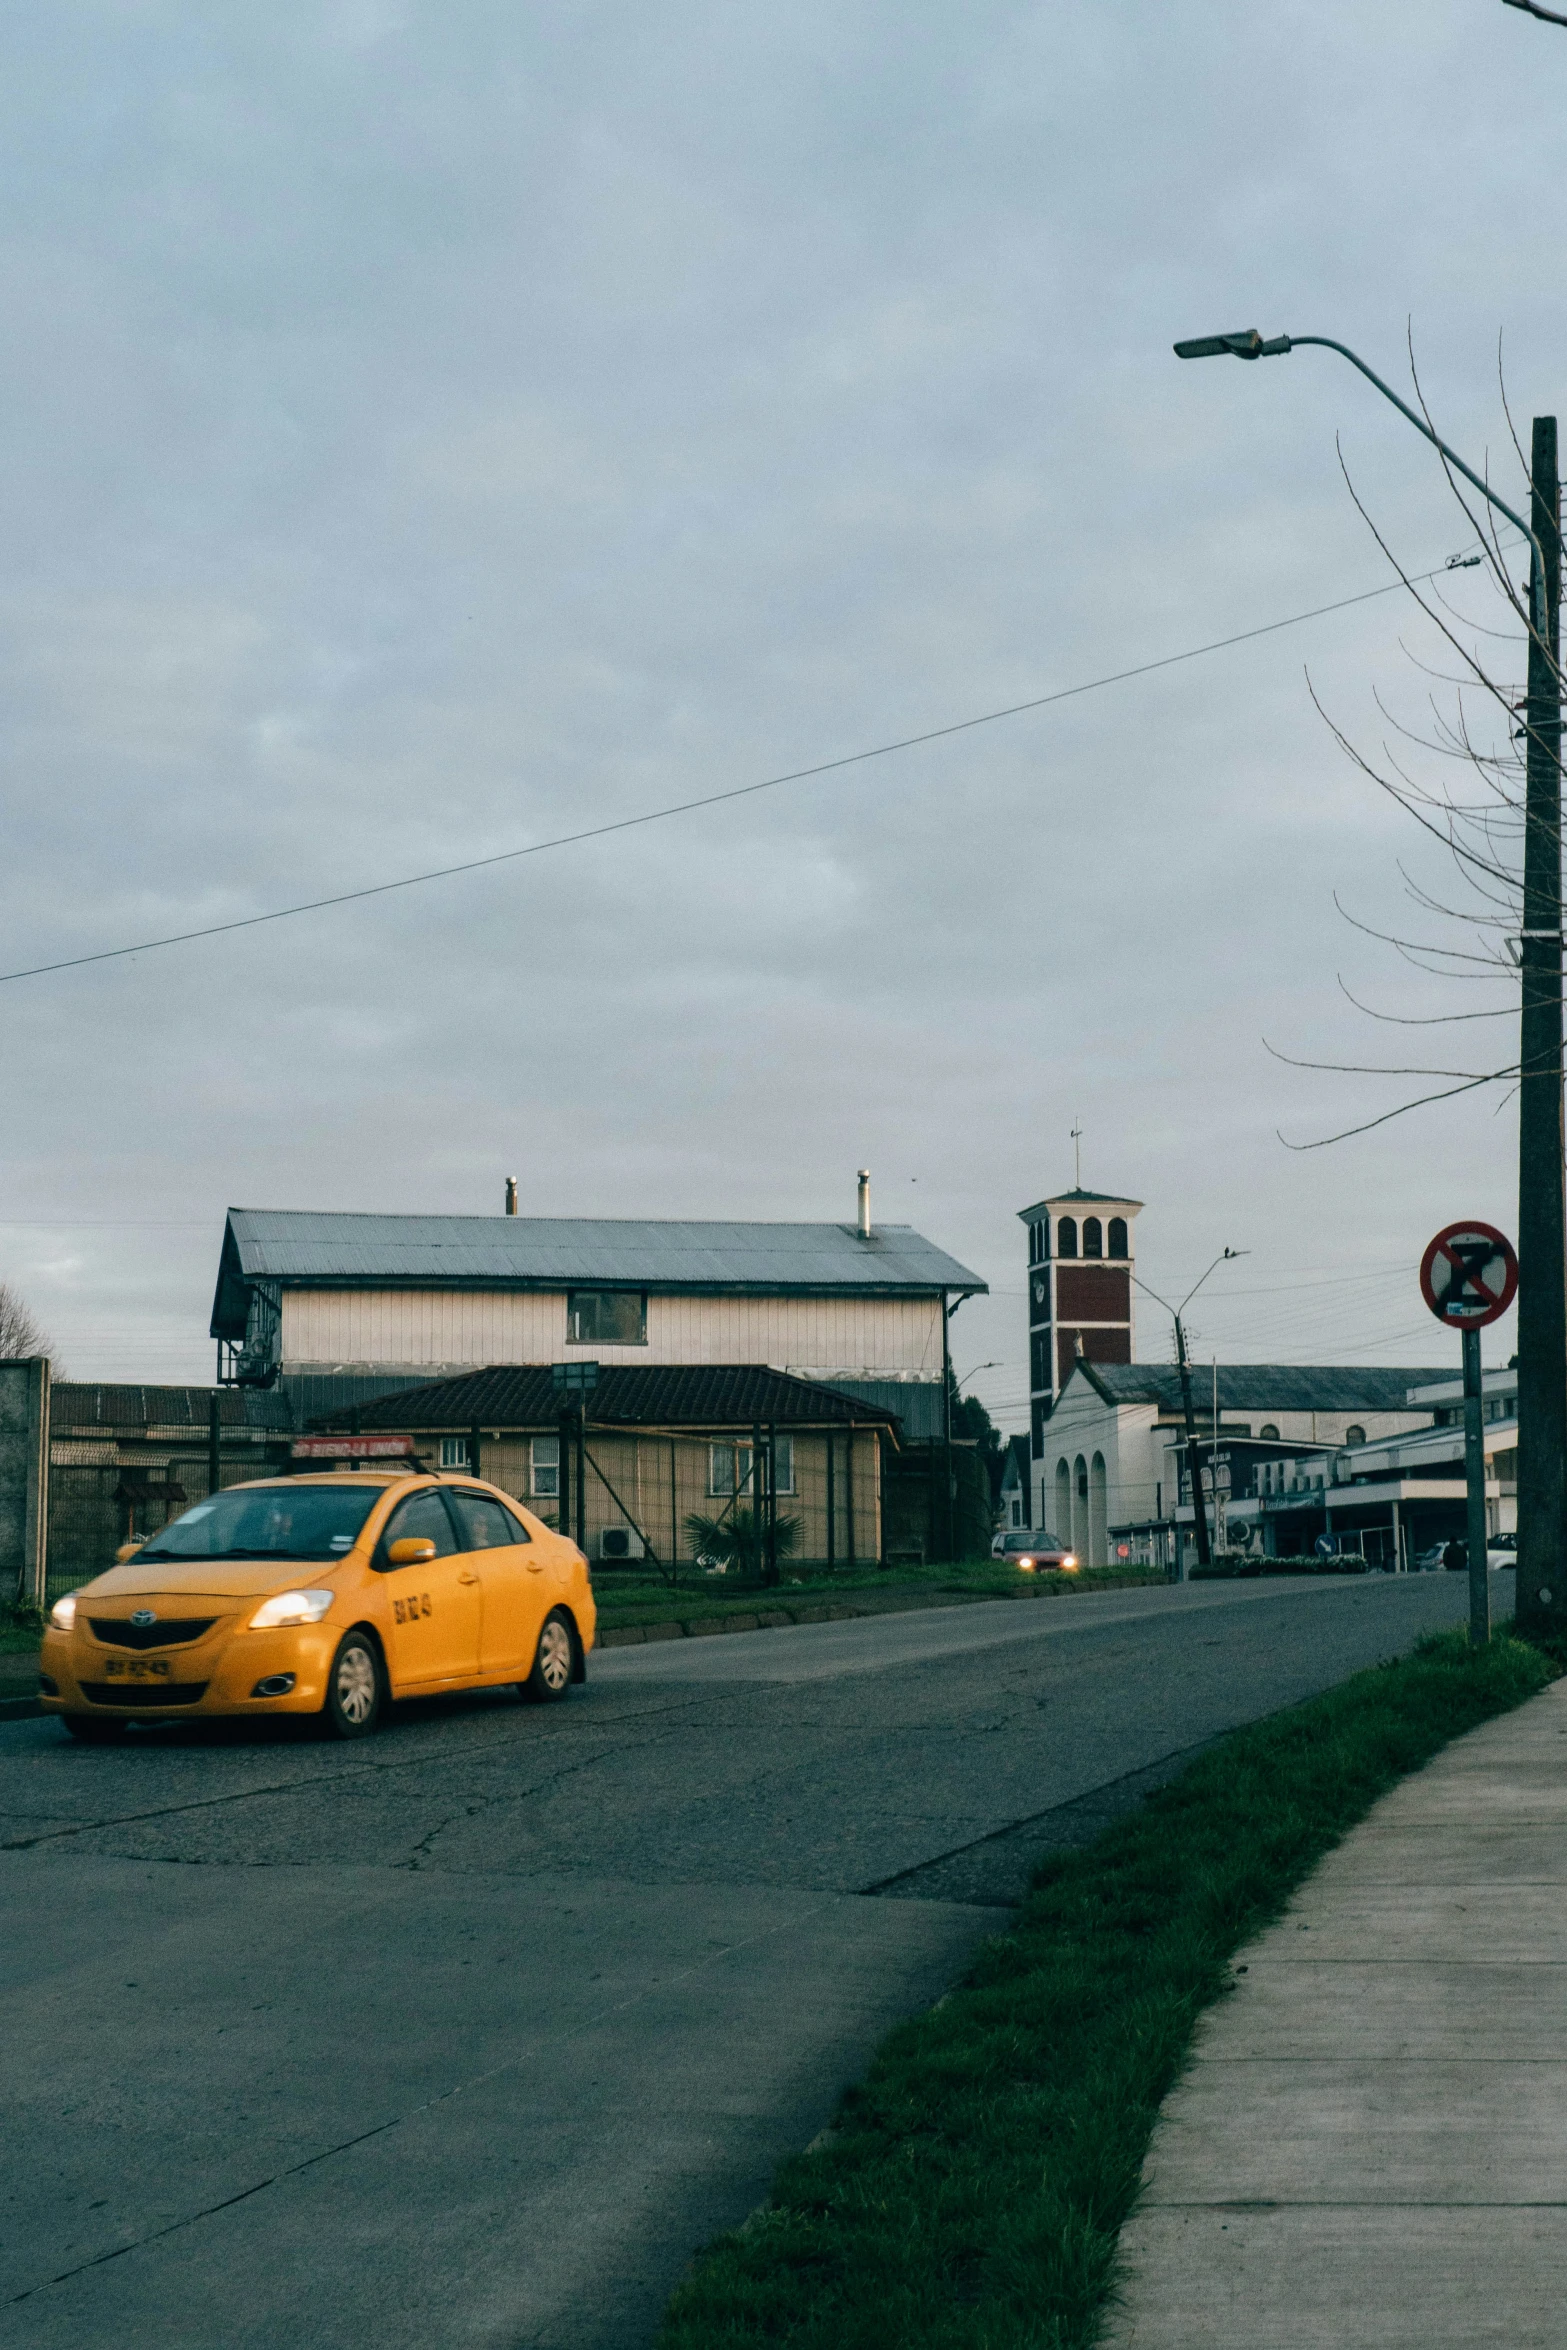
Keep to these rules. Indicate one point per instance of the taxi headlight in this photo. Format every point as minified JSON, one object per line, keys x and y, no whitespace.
{"x":63,"y":1613}
{"x":291,"y":1607}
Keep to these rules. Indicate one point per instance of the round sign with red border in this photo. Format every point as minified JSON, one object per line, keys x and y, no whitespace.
{"x":1469,"y":1275}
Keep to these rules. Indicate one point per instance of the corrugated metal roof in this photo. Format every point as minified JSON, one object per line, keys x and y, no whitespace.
{"x":90,"y":1403}
{"x":654,"y":1395}
{"x":539,"y":1251}
{"x":917,"y":1403}
{"x":1258,"y":1387}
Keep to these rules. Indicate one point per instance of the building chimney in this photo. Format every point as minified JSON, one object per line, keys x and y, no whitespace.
{"x":511,"y":1195}
{"x":865,"y":1203}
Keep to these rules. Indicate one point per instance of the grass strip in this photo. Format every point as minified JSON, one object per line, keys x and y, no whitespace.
{"x":643,"y":1599}
{"x":971,"y":2190}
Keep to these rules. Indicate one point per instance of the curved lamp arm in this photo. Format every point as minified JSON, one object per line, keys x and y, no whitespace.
{"x":1249,"y":344}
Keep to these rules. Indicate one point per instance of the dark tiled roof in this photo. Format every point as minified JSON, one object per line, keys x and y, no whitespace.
{"x":1258,"y":1387}
{"x":87,"y":1403}
{"x":1087,"y":1199}
{"x":675,"y":1395}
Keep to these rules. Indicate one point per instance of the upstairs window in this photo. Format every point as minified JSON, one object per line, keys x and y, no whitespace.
{"x":606,"y":1317}
{"x":1093,"y":1238}
{"x":1354,"y":1433}
{"x":1269,"y":1431}
{"x":1066,"y":1236}
{"x":1118,"y":1242}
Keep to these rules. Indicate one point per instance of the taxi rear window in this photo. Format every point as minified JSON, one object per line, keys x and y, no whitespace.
{"x":267,"y":1522}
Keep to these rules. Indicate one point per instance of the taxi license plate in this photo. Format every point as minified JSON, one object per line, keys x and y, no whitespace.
{"x":137,"y":1668}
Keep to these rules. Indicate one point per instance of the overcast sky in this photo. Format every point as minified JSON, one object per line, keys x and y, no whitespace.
{"x":428,"y":429}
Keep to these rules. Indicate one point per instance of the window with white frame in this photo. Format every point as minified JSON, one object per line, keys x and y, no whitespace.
{"x":729,"y":1467}
{"x":454,"y":1453}
{"x":544,"y":1469}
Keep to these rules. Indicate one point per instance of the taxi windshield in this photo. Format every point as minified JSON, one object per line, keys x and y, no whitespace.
{"x":267,"y":1522}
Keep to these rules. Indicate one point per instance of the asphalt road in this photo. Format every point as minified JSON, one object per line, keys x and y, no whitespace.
{"x":471,"y":2034}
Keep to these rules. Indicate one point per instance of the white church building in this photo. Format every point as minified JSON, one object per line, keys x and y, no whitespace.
{"x":1276,"y":1441}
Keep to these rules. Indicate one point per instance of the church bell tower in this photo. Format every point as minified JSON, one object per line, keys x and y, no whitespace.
{"x":1080,"y":1263}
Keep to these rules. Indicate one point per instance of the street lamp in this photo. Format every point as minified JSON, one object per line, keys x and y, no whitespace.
{"x":1199,"y":1513}
{"x":1542,"y":1191}
{"x":1251,"y":345}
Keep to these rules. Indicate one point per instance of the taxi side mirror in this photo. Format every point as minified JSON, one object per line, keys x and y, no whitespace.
{"x":128,"y":1550}
{"x":412,"y":1551}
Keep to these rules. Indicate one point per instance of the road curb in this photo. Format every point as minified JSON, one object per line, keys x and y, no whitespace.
{"x":837,"y":1611}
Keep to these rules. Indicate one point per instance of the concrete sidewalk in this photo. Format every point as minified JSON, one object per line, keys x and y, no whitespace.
{"x":1370,"y":2146}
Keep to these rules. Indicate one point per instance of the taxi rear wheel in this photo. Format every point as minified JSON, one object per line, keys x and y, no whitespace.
{"x":550,"y":1678}
{"x":354,"y":1689}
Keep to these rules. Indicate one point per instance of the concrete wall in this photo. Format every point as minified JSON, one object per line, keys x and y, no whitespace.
{"x":24,"y":1477}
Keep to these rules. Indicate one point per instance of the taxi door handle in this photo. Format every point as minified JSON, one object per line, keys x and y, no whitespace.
{"x":466,"y":1575}
{"x":535,"y":1566}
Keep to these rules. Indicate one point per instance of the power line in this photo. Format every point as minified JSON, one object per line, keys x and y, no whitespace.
{"x":739,"y":791}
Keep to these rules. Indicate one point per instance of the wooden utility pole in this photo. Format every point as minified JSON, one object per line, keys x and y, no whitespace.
{"x":1541,"y":1602}
{"x":1199,"y":1510}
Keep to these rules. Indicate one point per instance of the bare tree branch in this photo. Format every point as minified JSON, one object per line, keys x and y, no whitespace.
{"x":1533,"y":8}
{"x":1423,"y":1101}
{"x":21,"y":1332}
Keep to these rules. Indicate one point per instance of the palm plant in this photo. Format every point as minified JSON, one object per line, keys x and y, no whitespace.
{"x":739,"y":1541}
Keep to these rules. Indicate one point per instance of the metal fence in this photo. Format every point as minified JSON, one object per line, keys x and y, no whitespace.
{"x":96,"y":1505}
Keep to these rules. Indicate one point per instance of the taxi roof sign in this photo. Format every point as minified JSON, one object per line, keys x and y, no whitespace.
{"x":1469,"y":1275}
{"x":352,"y":1448}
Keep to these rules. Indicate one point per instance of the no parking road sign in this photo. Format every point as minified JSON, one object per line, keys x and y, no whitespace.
{"x":1469,"y":1275}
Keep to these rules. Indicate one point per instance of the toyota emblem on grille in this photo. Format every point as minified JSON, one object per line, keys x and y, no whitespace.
{"x":143,"y":1616}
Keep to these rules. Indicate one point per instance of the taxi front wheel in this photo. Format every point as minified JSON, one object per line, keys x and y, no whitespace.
{"x":353,"y":1689}
{"x":550,"y":1678}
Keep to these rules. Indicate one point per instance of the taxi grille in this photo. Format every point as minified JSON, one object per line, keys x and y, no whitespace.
{"x":115,"y":1632}
{"x":144,"y":1692}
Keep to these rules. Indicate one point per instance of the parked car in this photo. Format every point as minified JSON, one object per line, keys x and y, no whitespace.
{"x":1501,"y":1550}
{"x":1032,"y":1548}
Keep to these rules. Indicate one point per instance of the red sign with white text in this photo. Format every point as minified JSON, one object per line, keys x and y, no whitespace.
{"x":352,"y":1448}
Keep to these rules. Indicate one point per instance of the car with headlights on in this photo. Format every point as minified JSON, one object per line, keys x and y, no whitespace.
{"x":325,"y":1595}
{"x":1034,"y":1550}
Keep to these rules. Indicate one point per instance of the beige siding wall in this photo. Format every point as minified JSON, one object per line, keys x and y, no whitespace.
{"x":883,"y":1338}
{"x":664,"y":1480}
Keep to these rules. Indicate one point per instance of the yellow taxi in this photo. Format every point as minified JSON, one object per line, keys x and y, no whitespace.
{"x":325,"y":1595}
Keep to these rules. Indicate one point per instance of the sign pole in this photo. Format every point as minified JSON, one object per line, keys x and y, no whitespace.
{"x":1474,"y":1474}
{"x":1469,"y":1276}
